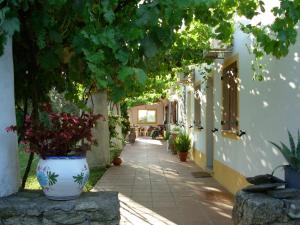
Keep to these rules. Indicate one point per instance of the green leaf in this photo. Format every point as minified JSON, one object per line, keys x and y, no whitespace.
{"x":109,"y":16}
{"x":140,"y":75}
{"x":150,"y":48}
{"x":286,"y":152}
{"x":96,"y":57}
{"x":292,"y":143}
{"x":107,"y":38}
{"x":10,"y":26}
{"x":125,"y":72}
{"x":298,"y":145}
{"x":122,"y":56}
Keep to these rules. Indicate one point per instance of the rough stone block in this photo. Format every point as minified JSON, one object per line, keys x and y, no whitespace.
{"x":263,"y":209}
{"x":32,"y":208}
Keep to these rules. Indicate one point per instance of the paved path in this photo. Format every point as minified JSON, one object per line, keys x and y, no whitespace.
{"x":155,"y":188}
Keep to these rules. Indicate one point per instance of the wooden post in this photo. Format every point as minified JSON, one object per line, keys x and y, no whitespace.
{"x":9,"y":163}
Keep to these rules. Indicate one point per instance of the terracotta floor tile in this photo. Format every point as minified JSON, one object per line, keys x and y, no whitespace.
{"x":155,"y":188}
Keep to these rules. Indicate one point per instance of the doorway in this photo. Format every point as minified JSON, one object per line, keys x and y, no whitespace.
{"x":210,"y":121}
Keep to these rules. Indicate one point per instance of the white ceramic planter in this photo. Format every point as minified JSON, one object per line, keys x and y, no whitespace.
{"x":62,"y":178}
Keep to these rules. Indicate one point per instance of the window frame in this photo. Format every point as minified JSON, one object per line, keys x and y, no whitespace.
{"x":233,"y":134}
{"x":174,"y":112}
{"x":142,"y":122}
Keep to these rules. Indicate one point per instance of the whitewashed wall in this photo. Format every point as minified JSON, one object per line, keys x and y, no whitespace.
{"x":199,"y":135}
{"x":267,"y":110}
{"x":9,"y":164}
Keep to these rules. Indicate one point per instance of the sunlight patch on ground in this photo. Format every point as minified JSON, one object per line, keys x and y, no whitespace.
{"x":135,"y":213}
{"x":149,"y":141}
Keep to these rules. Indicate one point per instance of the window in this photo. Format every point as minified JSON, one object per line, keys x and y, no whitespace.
{"x":174,"y":106}
{"x":230,"y":98}
{"x":146,"y":116}
{"x":166,"y":114}
{"x":197,"y":105}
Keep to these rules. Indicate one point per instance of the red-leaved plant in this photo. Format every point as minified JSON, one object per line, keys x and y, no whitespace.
{"x":59,"y":134}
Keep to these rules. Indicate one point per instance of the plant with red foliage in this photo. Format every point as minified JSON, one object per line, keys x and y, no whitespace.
{"x":60,"y":134}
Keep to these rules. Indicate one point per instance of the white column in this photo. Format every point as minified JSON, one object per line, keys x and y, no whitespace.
{"x":9,"y":163}
{"x":100,"y":154}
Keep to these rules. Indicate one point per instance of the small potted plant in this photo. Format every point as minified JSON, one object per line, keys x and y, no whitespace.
{"x":115,"y":153}
{"x":292,"y":156}
{"x":182,"y":146}
{"x":173,"y":134}
{"x":61,"y":140}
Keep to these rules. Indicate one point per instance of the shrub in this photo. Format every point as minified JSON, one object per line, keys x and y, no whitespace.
{"x":57,"y":134}
{"x":292,"y":154}
{"x":182,"y":142}
{"x":167,"y":135}
{"x":115,"y":152}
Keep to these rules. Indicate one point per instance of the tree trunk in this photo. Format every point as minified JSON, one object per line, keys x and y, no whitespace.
{"x":100,"y":154}
{"x":9,"y":163}
{"x":35,"y":117}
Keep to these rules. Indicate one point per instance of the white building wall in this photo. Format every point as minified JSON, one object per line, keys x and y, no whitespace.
{"x":199,"y":135}
{"x":267,"y":110}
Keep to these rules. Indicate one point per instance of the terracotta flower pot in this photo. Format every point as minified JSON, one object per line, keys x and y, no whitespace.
{"x":117,"y":161}
{"x":132,"y":136}
{"x":183,"y":156}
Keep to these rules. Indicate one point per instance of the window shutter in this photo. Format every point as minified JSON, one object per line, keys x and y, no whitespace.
{"x":225,"y":101}
{"x":230,"y":98}
{"x":233,"y":97}
{"x":174,"y":111}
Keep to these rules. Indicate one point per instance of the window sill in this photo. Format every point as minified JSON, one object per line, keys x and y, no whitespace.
{"x":230,"y":134}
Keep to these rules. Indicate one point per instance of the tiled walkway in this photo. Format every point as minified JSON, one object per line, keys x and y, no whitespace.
{"x":155,"y":188}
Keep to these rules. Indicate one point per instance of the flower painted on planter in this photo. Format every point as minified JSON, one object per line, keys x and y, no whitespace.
{"x":79,"y":178}
{"x":42,"y":178}
{"x":52,"y":177}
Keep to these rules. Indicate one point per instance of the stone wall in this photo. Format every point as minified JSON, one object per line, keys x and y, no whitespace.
{"x":32,"y":208}
{"x":272,"y":208}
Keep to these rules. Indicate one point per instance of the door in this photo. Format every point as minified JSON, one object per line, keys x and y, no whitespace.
{"x":209,"y":123}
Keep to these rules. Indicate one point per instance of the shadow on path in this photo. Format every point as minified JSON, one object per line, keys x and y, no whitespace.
{"x":156,"y":188}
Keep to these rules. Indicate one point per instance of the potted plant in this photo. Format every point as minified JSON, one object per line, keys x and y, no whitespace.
{"x":173,"y":134}
{"x":182,"y":146}
{"x":61,"y":140}
{"x":115,"y":153}
{"x":132,"y":135}
{"x":292,"y":156}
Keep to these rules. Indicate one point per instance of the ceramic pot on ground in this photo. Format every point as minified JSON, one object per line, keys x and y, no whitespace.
{"x":62,"y":178}
{"x":183,"y":156}
{"x":117,"y":161}
{"x":292,"y":177}
{"x":132,"y":135}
